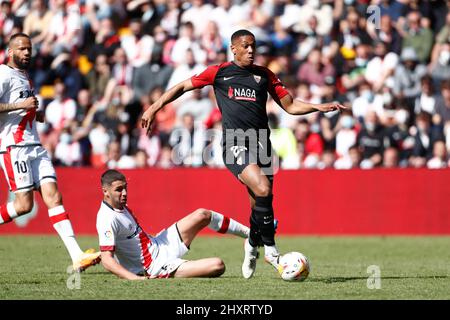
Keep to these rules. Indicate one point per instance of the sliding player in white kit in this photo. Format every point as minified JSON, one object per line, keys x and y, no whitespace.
{"x":140,"y":256}
{"x":25,"y":163}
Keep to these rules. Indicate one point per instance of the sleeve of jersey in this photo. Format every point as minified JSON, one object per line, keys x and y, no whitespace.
{"x":206,"y":77}
{"x":3,"y":85}
{"x":106,"y":234}
{"x":276,"y":88}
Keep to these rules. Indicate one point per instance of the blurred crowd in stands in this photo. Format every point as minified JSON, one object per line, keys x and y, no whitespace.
{"x":97,"y":64}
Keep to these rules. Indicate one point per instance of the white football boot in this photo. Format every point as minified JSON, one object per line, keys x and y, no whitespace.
{"x":249,"y":264}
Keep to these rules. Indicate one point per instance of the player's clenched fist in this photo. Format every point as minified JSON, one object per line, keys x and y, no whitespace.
{"x":29,"y":103}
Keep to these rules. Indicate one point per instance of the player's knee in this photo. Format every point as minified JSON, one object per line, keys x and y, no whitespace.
{"x":203,"y":216}
{"x":54,"y":199}
{"x":217,"y":267}
{"x":23,"y":207}
{"x":262,"y":190}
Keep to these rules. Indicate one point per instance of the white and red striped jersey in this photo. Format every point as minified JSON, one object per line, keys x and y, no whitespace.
{"x":119,"y":231}
{"x":18,"y":127}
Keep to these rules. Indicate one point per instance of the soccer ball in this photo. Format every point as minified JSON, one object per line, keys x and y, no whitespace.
{"x":294,"y":266}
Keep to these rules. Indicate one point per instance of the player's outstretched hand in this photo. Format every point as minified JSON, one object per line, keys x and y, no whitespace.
{"x":147,"y":120}
{"x":330,"y":106}
{"x":29,"y":103}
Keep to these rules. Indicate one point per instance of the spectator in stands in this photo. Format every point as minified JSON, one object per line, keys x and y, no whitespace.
{"x":386,"y":33}
{"x":440,"y":159}
{"x":187,"y":141}
{"x":284,"y":144}
{"x":314,"y":72}
{"x":8,"y":20}
{"x":171,"y":17}
{"x":364,"y":101}
{"x":64,"y":33}
{"x":198,"y":14}
{"x":352,"y":161}
{"x":98,"y":77}
{"x":442,"y":38}
{"x":187,"y":42}
{"x":141,"y":159}
{"x":351,"y":35}
{"x":115,"y":159}
{"x":380,"y":69}
{"x":407,"y":77}
{"x":37,"y":23}
{"x":371,"y":141}
{"x":346,"y":134}
{"x":355,"y":69}
{"x":418,"y":37}
{"x":310,"y":38}
{"x":68,"y":150}
{"x":106,"y":40}
{"x":199,"y":106}
{"x":154,"y":74}
{"x":328,"y":160}
{"x":165,"y":160}
{"x":442,"y":105}
{"x":211,"y":42}
{"x":425,"y":136}
{"x":309,"y":143}
{"x":440,"y":67}
{"x":183,"y":71}
{"x":138,"y":46}
{"x":390,"y":158}
{"x":426,"y":101}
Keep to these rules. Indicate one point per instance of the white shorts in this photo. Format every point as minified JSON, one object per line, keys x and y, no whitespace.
{"x":171,"y":249}
{"x":26,"y":168}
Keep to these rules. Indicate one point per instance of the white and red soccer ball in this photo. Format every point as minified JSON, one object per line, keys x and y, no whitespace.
{"x":294,"y":266}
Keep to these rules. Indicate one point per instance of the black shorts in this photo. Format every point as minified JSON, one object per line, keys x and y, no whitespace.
{"x":237,"y":155}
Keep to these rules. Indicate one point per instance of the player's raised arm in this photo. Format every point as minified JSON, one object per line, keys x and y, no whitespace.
{"x":114,"y":267}
{"x":298,"y":107}
{"x":171,"y":95}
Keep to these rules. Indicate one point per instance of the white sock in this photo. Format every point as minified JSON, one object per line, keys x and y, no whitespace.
{"x":62,"y":225}
{"x":223,"y":224}
{"x":271,"y":251}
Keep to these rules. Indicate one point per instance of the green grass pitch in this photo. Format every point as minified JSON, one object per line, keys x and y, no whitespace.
{"x":34,"y":267}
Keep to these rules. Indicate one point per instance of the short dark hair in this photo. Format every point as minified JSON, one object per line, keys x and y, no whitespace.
{"x":109,"y":176}
{"x":445,"y":85}
{"x":17,"y":35}
{"x":241,"y":33}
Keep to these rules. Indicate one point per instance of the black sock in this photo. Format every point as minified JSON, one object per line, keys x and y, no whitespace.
{"x":263,"y":216}
{"x":254,"y":237}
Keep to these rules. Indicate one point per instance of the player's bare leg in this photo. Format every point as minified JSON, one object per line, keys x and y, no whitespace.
{"x":191,"y":225}
{"x":208,"y":267}
{"x":261,"y":221}
{"x":22,"y":204}
{"x":60,"y":220}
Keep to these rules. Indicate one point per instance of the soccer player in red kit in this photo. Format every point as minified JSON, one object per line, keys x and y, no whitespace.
{"x":25,"y":163}
{"x":241,"y":89}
